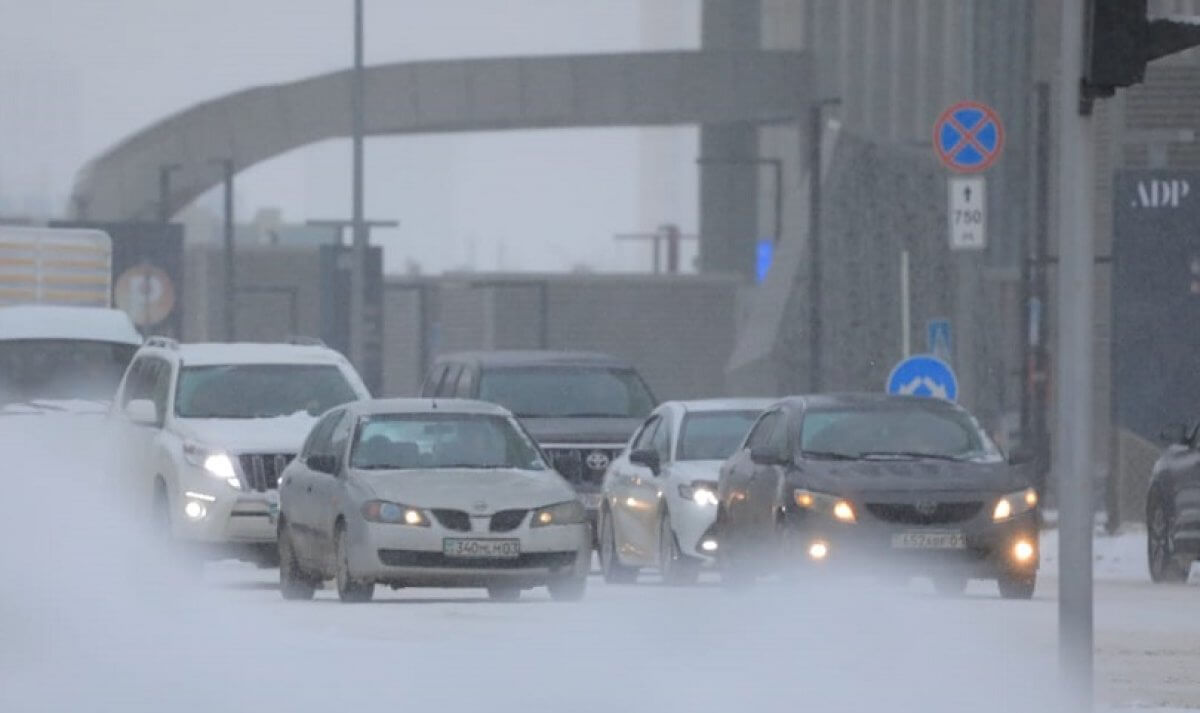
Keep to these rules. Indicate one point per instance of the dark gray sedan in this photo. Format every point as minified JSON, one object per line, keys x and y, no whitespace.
{"x":896,"y":485}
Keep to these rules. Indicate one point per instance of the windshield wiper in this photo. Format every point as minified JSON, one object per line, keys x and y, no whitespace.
{"x":593,"y":415}
{"x":915,"y":455}
{"x":830,"y":455}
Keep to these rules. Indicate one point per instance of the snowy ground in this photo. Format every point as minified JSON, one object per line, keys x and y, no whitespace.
{"x":89,"y":623}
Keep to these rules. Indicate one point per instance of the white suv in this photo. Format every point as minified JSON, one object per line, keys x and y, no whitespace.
{"x":206,"y":429}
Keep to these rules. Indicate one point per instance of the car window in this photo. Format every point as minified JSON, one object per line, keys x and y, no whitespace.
{"x":578,"y":391}
{"x":160,"y":388}
{"x":138,"y":384}
{"x":446,"y":387}
{"x":318,"y":438}
{"x":646,"y":437}
{"x":466,"y":384}
{"x":713,"y":435}
{"x":423,"y":441}
{"x":661,"y":441}
{"x":340,"y":435}
{"x":429,"y":388}
{"x":260,"y":390}
{"x":895,"y":430}
{"x":763,"y":430}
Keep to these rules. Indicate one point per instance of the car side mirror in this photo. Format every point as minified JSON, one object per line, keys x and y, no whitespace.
{"x":646,"y":457}
{"x":322,"y":464}
{"x":768,"y":455}
{"x":1176,"y":433}
{"x":142,"y":412}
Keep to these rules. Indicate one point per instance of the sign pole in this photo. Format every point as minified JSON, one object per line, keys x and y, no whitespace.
{"x":905,"y":308}
{"x":1073,"y":385}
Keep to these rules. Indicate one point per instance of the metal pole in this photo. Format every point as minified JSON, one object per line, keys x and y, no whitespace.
{"x":905,"y":308}
{"x":777,"y":165}
{"x":164,"y":191}
{"x":1041,"y":288}
{"x":814,"y":249}
{"x":1073,"y":385}
{"x":230,"y":274}
{"x":358,"y":260}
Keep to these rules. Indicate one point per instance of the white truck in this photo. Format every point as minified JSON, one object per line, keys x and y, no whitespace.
{"x":62,"y":345}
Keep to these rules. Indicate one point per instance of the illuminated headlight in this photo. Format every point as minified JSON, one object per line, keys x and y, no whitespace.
{"x":390,"y":513}
{"x":709,"y":545}
{"x":839,"y":509}
{"x":701,"y":492}
{"x":1014,"y":504}
{"x":216,"y":463}
{"x":569,"y":513}
{"x":195,"y":510}
{"x":818,"y":550}
{"x":1023,"y":551}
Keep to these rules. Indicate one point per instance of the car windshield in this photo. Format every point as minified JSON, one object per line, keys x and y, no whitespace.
{"x":892,"y":431}
{"x":713,"y":436}
{"x":53,"y":369}
{"x":566,"y":391}
{"x":443,"y":440}
{"x":260,"y":390}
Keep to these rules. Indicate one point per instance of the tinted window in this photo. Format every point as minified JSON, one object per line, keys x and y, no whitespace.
{"x":318,"y":438}
{"x":429,"y":388}
{"x":446,"y":440}
{"x":646,"y":435}
{"x":466,"y":384}
{"x":763,"y":430}
{"x":557,"y":392}
{"x":446,"y":386}
{"x":895,"y":430}
{"x":713,"y":436}
{"x":61,"y":369}
{"x":662,"y":441}
{"x":260,"y":390}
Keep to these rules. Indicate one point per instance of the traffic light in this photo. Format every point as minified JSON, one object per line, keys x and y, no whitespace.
{"x":1119,"y":40}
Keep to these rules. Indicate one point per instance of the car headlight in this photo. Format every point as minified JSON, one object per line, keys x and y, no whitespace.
{"x":1014,"y":504}
{"x":839,"y":509}
{"x":390,"y":513}
{"x":569,"y":513}
{"x":214,"y":462}
{"x":701,"y":492}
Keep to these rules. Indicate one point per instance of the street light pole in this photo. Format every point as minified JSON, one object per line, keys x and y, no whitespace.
{"x":230,"y":304}
{"x":164,"y":190}
{"x":1073,"y":385}
{"x":359,"y":229}
{"x":815,"y":286}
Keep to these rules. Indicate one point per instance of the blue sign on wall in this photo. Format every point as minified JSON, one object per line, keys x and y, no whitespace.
{"x":923,"y":375}
{"x":762,"y":259}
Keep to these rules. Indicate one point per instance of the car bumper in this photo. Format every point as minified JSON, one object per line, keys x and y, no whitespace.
{"x":212,"y":513}
{"x":982,"y":550}
{"x":411,"y":556}
{"x":692,"y":524}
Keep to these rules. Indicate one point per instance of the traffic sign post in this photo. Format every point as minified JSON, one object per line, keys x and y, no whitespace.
{"x":939,"y":339}
{"x":923,"y":375}
{"x":968,"y":213}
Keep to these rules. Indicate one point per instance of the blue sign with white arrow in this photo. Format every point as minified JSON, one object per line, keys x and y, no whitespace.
{"x":923,"y":375}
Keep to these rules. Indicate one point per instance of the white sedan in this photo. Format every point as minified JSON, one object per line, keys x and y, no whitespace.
{"x":416,"y":492}
{"x":660,"y":494}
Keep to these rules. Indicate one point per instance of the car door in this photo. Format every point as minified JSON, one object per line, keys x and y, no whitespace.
{"x":624,"y":503}
{"x":738,"y":493}
{"x":298,"y":493}
{"x":767,"y":480}
{"x":138,"y":458}
{"x":645,"y":493}
{"x":329,"y":488}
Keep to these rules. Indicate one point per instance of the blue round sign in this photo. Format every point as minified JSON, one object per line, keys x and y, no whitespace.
{"x":968,"y":137}
{"x":923,"y":375}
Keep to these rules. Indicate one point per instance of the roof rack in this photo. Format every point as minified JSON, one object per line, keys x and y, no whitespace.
{"x":162,"y":342}
{"x":303,"y":341}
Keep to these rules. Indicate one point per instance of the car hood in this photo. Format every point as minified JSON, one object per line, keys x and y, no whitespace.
{"x":691,"y":470}
{"x":250,"y":435}
{"x":881,"y":477}
{"x":600,"y":431}
{"x":468,"y":488}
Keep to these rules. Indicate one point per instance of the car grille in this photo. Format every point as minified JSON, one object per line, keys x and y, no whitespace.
{"x":529,"y":560}
{"x":456,"y":520}
{"x":507,"y":520}
{"x":938,"y":514}
{"x":261,"y":471}
{"x":582,"y":465}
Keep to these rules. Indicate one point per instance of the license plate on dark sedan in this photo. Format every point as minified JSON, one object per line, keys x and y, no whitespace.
{"x":929,"y":541}
{"x":481,"y":549}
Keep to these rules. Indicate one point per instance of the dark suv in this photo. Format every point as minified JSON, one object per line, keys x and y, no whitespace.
{"x":580,"y":407}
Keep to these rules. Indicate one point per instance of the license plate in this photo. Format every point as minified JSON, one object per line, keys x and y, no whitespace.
{"x":929,"y":541}
{"x":482,"y":549}
{"x":591,"y":501}
{"x":273,"y":512}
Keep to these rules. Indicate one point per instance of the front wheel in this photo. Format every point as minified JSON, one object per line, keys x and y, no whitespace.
{"x":614,"y":571}
{"x":350,"y":589}
{"x":293,"y":584}
{"x":1017,"y":586}
{"x":1160,"y":544}
{"x":677,"y":568}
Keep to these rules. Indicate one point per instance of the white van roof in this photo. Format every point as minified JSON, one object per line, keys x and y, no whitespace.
{"x":92,"y":324}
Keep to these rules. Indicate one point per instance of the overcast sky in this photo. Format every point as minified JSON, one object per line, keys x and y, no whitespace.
{"x":78,"y":75}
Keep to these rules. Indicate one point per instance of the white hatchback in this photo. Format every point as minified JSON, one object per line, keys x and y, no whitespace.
{"x":660,"y":494}
{"x":428,"y":493}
